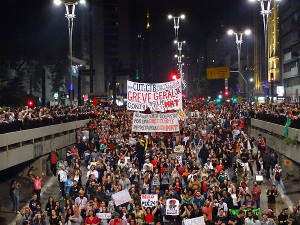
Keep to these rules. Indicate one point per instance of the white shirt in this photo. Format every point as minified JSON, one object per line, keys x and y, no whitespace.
{"x":62,"y":176}
{"x":95,"y":172}
{"x":81,"y":202}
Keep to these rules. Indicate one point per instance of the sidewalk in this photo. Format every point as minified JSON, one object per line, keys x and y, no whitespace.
{"x":6,"y":206}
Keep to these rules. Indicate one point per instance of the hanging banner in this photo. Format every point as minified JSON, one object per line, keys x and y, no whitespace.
{"x":172,"y":207}
{"x":156,"y":97}
{"x":155,"y":122}
{"x":148,"y":200}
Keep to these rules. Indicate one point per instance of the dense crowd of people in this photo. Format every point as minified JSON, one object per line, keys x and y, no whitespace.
{"x":208,"y":167}
{"x":24,"y":118}
{"x":27,"y":118}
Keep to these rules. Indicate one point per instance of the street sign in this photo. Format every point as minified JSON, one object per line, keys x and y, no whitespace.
{"x":218,"y":73}
{"x":83,"y":72}
{"x":240,"y":99}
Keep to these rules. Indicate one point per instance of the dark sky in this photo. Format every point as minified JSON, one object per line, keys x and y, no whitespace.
{"x":30,"y":27}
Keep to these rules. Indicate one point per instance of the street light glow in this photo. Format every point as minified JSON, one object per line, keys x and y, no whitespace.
{"x":82,"y":1}
{"x":175,"y":41}
{"x":170,"y":16}
{"x":175,"y":56}
{"x":57,"y":2}
{"x":248,"y":32}
{"x":251,"y":79}
{"x":230,"y":32}
{"x":182,"y":16}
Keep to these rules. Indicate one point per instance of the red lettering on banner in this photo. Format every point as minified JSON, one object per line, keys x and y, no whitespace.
{"x":129,"y":97}
{"x":134,"y":96}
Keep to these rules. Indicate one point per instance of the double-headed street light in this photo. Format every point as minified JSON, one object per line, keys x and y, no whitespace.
{"x":176,"y":23}
{"x":70,"y":15}
{"x":239,"y":41}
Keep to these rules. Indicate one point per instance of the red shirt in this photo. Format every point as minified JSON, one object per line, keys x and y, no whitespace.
{"x":53,"y":158}
{"x":37,"y":184}
{"x":95,"y":220}
{"x":208,"y":212}
{"x":74,"y":152}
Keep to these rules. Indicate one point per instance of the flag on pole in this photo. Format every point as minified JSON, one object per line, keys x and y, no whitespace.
{"x":95,"y":101}
{"x":287,"y":125}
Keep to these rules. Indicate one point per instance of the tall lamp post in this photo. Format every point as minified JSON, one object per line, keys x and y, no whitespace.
{"x":70,"y":15}
{"x":239,"y":41}
{"x":179,"y":55}
{"x":265,"y":12}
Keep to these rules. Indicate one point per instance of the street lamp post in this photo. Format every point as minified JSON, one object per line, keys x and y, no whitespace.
{"x":265,"y":12}
{"x":179,"y":55}
{"x":239,"y":41}
{"x":70,"y":15}
{"x":176,"y":23}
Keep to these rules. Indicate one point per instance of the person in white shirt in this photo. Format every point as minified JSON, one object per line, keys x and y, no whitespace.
{"x":81,"y":200}
{"x":148,"y":164}
{"x":63,"y":176}
{"x":92,"y":171}
{"x":222,"y":205}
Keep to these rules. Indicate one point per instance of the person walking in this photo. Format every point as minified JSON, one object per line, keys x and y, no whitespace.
{"x":63,"y":176}
{"x":256,"y":191}
{"x":14,"y":192}
{"x":277,"y":178}
{"x":54,"y":158}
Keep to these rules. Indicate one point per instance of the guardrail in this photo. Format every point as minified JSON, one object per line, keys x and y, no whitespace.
{"x":21,"y":146}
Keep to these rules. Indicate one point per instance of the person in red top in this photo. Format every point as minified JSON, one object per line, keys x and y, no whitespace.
{"x":92,"y":219}
{"x":37,"y":181}
{"x":154,"y":162}
{"x":116,"y":220}
{"x":149,"y":214}
{"x":74,"y":152}
{"x":207,"y":209}
{"x":54,"y":158}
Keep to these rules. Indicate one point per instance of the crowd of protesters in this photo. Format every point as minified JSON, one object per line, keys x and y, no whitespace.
{"x":24,"y":118}
{"x":27,"y":118}
{"x":213,"y":175}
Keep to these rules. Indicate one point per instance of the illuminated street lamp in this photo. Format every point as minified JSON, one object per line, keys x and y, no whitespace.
{"x":239,"y":41}
{"x":265,"y":12}
{"x":176,"y":23}
{"x":70,"y":15}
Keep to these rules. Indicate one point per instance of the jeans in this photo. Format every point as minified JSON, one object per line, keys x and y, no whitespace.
{"x":62,"y":189}
{"x":268,"y":172}
{"x":257,"y":203}
{"x":16,"y":204}
{"x":279,"y":182}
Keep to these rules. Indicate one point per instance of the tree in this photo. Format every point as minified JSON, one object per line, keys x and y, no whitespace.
{"x":201,"y":86}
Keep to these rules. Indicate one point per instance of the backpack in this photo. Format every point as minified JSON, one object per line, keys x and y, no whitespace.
{"x":277,"y":176}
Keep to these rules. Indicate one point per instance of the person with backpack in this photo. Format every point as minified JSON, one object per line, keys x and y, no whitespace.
{"x":277,"y":178}
{"x":14,"y":193}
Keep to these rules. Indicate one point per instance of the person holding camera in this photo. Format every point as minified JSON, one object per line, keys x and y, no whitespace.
{"x":14,"y":193}
{"x":277,"y":178}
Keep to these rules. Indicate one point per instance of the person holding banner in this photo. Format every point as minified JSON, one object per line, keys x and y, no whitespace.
{"x":149,"y":214}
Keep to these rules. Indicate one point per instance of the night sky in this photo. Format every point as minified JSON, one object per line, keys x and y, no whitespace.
{"x":37,"y":27}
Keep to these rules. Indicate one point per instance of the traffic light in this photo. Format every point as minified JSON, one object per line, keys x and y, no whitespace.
{"x":30,"y":103}
{"x":234,"y":100}
{"x":226,"y":93}
{"x":174,"y":76}
{"x":272,"y":77}
{"x":218,"y":100}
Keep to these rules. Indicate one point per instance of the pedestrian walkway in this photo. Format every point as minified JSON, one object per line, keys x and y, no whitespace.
{"x":50,"y":188}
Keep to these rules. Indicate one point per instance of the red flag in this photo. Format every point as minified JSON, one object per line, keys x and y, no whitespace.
{"x":95,"y":101}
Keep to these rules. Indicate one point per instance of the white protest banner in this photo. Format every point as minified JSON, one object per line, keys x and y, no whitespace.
{"x":156,"y":97}
{"x":172,"y":207}
{"x":104,"y":215}
{"x":155,"y":122}
{"x":148,"y":200}
{"x":121,"y":197}
{"x":194,"y":221}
